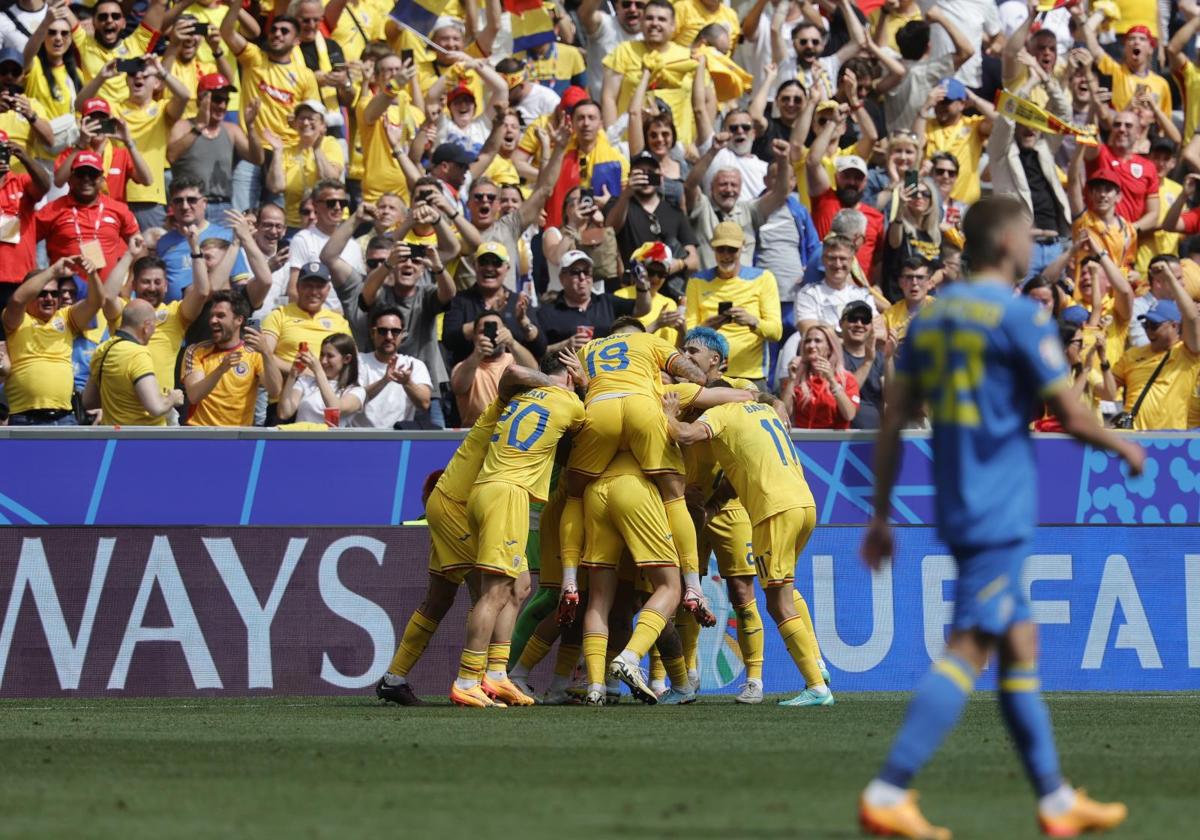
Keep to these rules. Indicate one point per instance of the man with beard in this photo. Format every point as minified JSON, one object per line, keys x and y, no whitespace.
{"x":845,"y":192}
{"x":221,"y":377}
{"x":105,"y":43}
{"x":398,"y":386}
{"x":667,"y":62}
{"x":85,"y":222}
{"x":738,"y":154}
{"x":1136,"y":175}
{"x":724,"y":199}
{"x":606,"y":31}
{"x":640,"y":214}
{"x":808,"y":63}
{"x":207,"y":146}
{"x":324,"y":57}
{"x":272,"y":74}
{"x":189,"y":209}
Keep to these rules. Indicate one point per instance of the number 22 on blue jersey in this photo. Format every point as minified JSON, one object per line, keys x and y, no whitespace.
{"x":953,"y":374}
{"x":611,"y":358}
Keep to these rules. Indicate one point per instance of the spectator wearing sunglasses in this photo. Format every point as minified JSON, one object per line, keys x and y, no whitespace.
{"x":296,"y":168}
{"x":946,"y":129}
{"x":488,"y":293}
{"x":398,"y":386}
{"x":207,"y":146}
{"x":606,"y":31}
{"x":330,"y":200}
{"x":105,"y":44}
{"x":189,"y":209}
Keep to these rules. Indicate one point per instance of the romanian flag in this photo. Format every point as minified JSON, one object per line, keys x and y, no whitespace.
{"x":418,"y":14}
{"x":531,"y":24}
{"x":1026,"y":113}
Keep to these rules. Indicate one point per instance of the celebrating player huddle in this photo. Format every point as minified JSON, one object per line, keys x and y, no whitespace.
{"x":661,"y":457}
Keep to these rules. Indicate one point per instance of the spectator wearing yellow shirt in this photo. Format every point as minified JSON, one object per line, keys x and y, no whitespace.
{"x":1173,"y":328}
{"x":356,"y":23}
{"x":1187,"y":74}
{"x":385,"y":124}
{"x":914,"y":296}
{"x":20,"y":118}
{"x":190,"y":56}
{"x":556,"y":65}
{"x":52,"y":79}
{"x":889,"y":18}
{"x":693,"y":15}
{"x":206,"y":149}
{"x":671,"y":67}
{"x":1117,"y":236}
{"x":496,"y":155}
{"x":123,"y":383}
{"x":1133,"y":71}
{"x":1164,"y":153}
{"x":296,"y":168}
{"x":105,"y":44}
{"x":40,"y":337}
{"x":947,"y":130}
{"x":450,"y":35}
{"x":221,"y":376}
{"x":148,"y":121}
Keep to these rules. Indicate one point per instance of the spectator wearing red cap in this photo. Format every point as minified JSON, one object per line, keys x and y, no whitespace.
{"x":19,"y":193}
{"x":1137,"y":176}
{"x":1102,"y":193}
{"x":206,"y":148}
{"x":466,"y":124}
{"x":120,"y":163}
{"x":1133,"y":71}
{"x":146,"y":122}
{"x":86,"y":221}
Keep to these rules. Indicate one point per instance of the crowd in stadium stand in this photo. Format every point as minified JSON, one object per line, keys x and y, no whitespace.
{"x":360,"y":212}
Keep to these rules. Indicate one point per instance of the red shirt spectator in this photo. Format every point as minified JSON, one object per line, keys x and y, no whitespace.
{"x":820,"y":410}
{"x":84,"y":221}
{"x":826,"y":206}
{"x":19,"y":192}
{"x":819,"y":393}
{"x":1138,"y":177}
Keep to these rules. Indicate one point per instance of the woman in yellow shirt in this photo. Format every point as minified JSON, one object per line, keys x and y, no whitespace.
{"x":52,"y":78}
{"x":296,"y":168}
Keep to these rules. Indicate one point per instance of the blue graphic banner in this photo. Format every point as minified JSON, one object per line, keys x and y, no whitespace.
{"x":1119,"y":610}
{"x":267,"y":478}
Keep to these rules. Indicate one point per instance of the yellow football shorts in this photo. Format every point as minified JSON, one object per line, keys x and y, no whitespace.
{"x":550,"y":573}
{"x":498,"y":513}
{"x":635,"y":422}
{"x":625,"y":511}
{"x":452,"y":543}
{"x":729,"y":536}
{"x":778,"y":542}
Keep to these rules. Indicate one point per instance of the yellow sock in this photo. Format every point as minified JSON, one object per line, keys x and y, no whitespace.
{"x":645,"y":632}
{"x":568,"y":658}
{"x":570,"y":532}
{"x":802,"y":609}
{"x":796,"y":638}
{"x":689,"y":637}
{"x":594,"y":647}
{"x":497,"y":657}
{"x":657,"y":670}
{"x":683,"y":534}
{"x":470,"y":666}
{"x":535,"y":651}
{"x":677,"y":670}
{"x":750,"y":638}
{"x":417,"y":633}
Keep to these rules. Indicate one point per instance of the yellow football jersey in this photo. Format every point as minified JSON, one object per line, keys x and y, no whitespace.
{"x":703,"y":469}
{"x":526,"y":436}
{"x":626,"y":363}
{"x":758,"y":457}
{"x":457,"y":479}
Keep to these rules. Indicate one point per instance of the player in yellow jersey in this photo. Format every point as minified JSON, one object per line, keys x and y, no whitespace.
{"x":515,"y":470}
{"x":624,"y":509}
{"x":624,"y":386}
{"x":752,"y":445}
{"x":452,"y":542}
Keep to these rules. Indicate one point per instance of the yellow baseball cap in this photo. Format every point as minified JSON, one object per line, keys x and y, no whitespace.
{"x":728,"y":235}
{"x":496,"y":249}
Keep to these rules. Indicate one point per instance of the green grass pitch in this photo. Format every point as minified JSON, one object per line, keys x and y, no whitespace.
{"x":340,"y":767}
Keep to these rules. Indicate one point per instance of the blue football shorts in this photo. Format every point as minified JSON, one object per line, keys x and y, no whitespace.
{"x":989,"y":595}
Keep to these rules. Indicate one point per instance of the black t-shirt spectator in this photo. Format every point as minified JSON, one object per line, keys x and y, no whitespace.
{"x":464,"y":308}
{"x":777,"y":129}
{"x":559,"y":320}
{"x":312,"y":61}
{"x":666,"y":224}
{"x":870,"y":393}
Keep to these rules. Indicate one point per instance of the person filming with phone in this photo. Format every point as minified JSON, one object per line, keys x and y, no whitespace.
{"x":476,"y":379}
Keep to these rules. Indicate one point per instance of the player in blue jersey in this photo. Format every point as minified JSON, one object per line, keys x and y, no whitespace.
{"x":980,"y":359}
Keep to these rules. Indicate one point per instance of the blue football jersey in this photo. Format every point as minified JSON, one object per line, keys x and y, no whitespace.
{"x":981,"y":359}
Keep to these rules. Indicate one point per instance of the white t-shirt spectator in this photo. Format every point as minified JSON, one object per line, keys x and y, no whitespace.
{"x":312,"y":406}
{"x":752,"y":167}
{"x":10,"y":34}
{"x":538,"y":100}
{"x":277,"y":296}
{"x":306,"y":247}
{"x":1013,"y":13}
{"x":976,"y":19}
{"x":608,"y":36}
{"x":823,"y":303}
{"x":392,"y":404}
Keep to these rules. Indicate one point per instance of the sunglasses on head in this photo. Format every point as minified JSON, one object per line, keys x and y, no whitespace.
{"x":189,"y":200}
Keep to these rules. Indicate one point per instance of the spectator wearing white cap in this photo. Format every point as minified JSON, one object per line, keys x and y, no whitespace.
{"x":739,"y":300}
{"x":578,"y":315}
{"x":844,"y":192}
